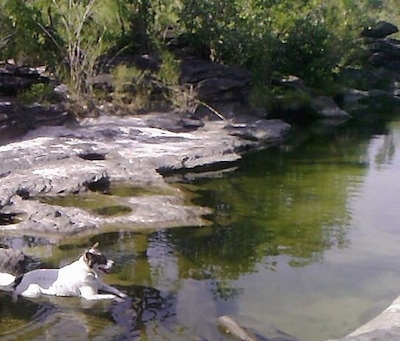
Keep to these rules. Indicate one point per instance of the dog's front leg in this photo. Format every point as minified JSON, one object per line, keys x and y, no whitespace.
{"x":108,"y":288}
{"x":88,"y":293}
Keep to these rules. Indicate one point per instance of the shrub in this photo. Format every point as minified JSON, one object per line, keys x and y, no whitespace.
{"x":314,"y":39}
{"x":37,"y":93}
{"x":132,"y":87}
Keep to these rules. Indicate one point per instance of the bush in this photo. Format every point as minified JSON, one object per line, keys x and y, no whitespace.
{"x":37,"y":93}
{"x":313,"y":39}
{"x":132,"y":87}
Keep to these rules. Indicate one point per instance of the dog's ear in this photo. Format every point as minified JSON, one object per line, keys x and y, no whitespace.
{"x":95,"y":246}
{"x":88,"y":258}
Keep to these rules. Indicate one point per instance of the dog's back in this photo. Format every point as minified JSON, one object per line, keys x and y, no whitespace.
{"x":6,"y":280}
{"x":37,"y":280}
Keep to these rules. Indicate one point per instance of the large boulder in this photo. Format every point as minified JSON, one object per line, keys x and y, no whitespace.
{"x":386,"y":53}
{"x":326,"y":107}
{"x":14,"y":79}
{"x":253,"y":129}
{"x":186,"y":45}
{"x":214,"y":82}
{"x":381,"y":29}
{"x":17,"y":119}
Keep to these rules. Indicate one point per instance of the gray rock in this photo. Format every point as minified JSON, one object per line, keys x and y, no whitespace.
{"x":215,"y":82}
{"x":17,"y":119}
{"x":63,"y":161}
{"x":15,"y":78}
{"x":353,"y":98}
{"x":379,"y":30}
{"x":290,"y":82}
{"x":174,"y":123}
{"x":15,"y":262}
{"x":225,"y":110}
{"x":389,"y":48}
{"x":325,"y":107}
{"x":269,"y":131}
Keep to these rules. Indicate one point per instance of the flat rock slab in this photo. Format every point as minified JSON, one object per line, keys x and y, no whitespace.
{"x":56,"y":161}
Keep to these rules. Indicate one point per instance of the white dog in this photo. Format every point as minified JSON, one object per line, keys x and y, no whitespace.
{"x":80,"y":278}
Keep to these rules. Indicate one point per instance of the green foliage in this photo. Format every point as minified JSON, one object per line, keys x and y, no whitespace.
{"x":261,"y":97}
{"x":169,"y":70}
{"x":37,"y":93}
{"x":234,"y":30}
{"x":23,"y":23}
{"x":87,"y":30}
{"x":132,"y":87}
{"x":309,"y":51}
{"x":312,"y":39}
{"x":168,"y":77}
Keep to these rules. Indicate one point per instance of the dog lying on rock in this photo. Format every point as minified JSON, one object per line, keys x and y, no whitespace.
{"x":80,"y":278}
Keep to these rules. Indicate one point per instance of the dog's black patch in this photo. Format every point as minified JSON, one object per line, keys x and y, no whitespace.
{"x":93,"y":259}
{"x":17,"y":281}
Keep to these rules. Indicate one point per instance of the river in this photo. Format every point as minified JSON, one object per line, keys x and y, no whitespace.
{"x":304,"y":238}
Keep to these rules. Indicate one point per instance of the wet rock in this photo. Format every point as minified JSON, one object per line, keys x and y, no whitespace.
{"x":392,"y":334}
{"x":354,"y":99}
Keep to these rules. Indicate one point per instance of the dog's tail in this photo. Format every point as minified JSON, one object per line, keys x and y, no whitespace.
{"x":6,"y":280}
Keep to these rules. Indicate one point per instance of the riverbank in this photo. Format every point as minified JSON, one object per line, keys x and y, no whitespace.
{"x":91,"y":157}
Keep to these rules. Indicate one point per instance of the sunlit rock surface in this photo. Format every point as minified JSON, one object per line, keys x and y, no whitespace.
{"x":62,"y":161}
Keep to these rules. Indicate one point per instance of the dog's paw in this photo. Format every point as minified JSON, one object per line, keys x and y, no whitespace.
{"x":122,"y":295}
{"x":119,"y":299}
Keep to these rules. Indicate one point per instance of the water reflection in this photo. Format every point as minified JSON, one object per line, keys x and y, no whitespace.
{"x":58,"y":318}
{"x":304,"y":236}
{"x":293,"y":202}
{"x":383,"y":147}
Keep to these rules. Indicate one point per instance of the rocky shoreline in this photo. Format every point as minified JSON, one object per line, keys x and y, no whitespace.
{"x":99,"y":152}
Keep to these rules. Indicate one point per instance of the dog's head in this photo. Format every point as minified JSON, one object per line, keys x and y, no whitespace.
{"x":96,"y":260}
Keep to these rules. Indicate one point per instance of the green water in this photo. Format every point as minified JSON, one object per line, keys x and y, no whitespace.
{"x":304,"y":237}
